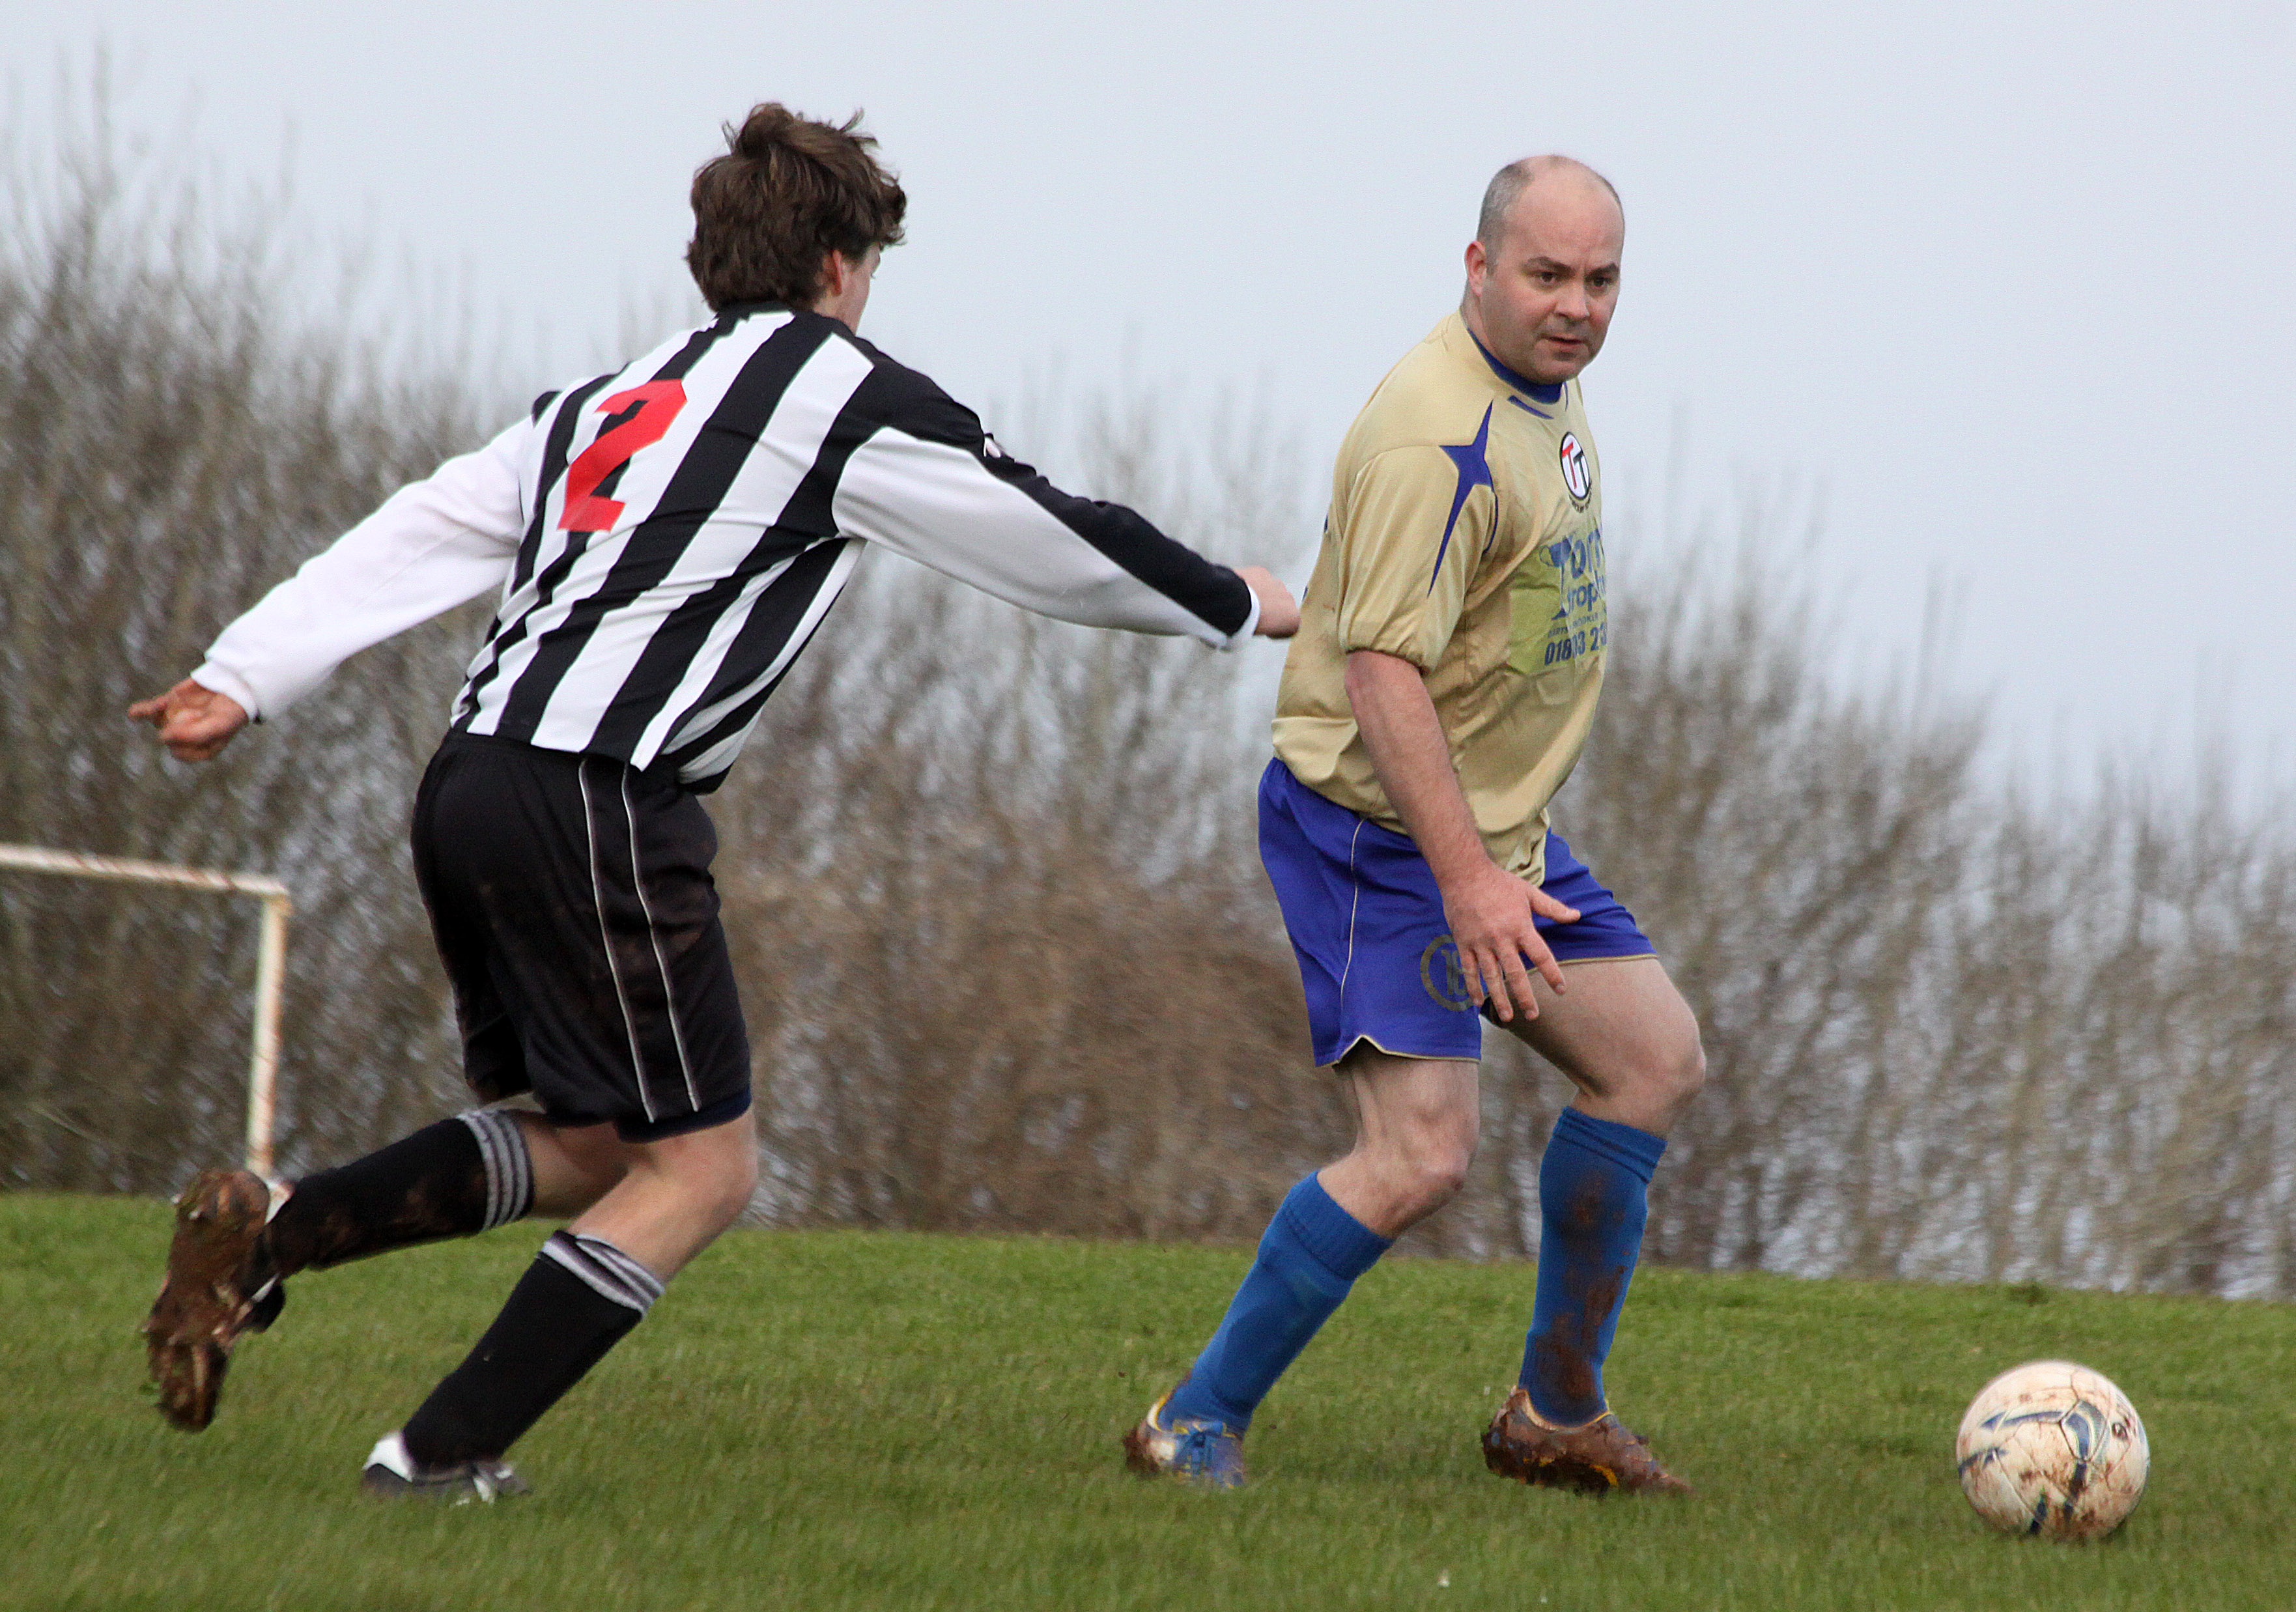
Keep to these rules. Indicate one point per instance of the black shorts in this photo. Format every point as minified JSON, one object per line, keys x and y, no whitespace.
{"x":571,"y":900}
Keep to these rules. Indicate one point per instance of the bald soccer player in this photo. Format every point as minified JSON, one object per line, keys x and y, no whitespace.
{"x":1438,"y":693}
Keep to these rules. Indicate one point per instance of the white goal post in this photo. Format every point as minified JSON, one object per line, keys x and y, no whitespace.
{"x":270,"y":963}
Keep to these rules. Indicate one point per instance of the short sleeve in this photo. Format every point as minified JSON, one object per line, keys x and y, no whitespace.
{"x":1415,"y":521}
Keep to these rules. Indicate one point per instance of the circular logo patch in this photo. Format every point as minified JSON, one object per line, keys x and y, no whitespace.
{"x":1445,"y":979}
{"x":1575,"y":474}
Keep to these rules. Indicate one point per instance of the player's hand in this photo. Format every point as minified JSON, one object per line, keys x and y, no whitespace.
{"x":195,"y":721}
{"x":1279,"y":612}
{"x":1492,"y":914}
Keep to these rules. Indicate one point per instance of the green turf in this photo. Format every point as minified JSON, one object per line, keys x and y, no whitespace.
{"x":822,"y":1420}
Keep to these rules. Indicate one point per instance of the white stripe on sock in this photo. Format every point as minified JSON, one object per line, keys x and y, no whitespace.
{"x":605,"y":1269}
{"x":510,"y":1166}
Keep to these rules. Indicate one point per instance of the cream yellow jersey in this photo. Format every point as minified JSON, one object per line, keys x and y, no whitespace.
{"x":1465,"y":535}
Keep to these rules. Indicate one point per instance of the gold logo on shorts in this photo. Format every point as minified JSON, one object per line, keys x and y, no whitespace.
{"x":1445,"y":979}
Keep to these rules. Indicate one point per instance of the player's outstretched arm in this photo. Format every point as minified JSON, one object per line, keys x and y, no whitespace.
{"x":432,"y":545}
{"x":195,"y":722}
{"x":1489,"y":909}
{"x":929,"y":483}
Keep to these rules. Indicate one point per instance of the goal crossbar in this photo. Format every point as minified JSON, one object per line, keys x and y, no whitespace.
{"x":270,"y":963}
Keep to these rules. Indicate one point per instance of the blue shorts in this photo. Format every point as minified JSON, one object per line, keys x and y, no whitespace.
{"x":1376,"y":958}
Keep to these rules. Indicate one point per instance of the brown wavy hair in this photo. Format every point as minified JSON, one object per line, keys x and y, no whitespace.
{"x":787,"y":193}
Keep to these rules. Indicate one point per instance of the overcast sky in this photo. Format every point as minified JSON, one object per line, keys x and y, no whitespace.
{"x":2005,"y":287}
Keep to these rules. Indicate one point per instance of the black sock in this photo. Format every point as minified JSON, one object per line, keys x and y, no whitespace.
{"x":463,"y":1175}
{"x":579,"y":1298}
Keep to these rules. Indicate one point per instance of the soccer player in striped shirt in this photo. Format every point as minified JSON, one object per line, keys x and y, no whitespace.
{"x":1440,"y":687}
{"x":664,"y":541}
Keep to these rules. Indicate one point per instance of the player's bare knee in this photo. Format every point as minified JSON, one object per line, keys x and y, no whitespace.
{"x":1430,"y":1172}
{"x":739,"y":1186}
{"x":1669,"y":1069}
{"x":1679,"y":1077}
{"x":1691,"y":1076}
{"x":725,"y":1177}
{"x":1441,"y":1178}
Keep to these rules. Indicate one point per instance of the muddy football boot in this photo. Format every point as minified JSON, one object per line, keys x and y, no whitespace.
{"x":391,"y":1474}
{"x":203,"y":1307}
{"x":1600,"y":1458}
{"x":1202,"y":1454}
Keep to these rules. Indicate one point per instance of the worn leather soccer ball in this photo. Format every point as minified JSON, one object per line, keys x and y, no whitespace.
{"x":2052,"y":1449}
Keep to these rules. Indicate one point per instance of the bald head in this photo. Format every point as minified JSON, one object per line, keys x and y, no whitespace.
{"x":1543,"y":268}
{"x":1507,"y":185}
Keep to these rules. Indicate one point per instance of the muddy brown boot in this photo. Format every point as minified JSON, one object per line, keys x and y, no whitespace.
{"x":1597,"y":1459}
{"x":202,"y":1308}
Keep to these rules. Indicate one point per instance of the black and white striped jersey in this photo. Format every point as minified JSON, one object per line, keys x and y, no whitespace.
{"x":666,"y":538}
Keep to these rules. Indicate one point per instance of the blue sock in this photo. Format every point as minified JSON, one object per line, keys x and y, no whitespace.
{"x":1311,"y":1254}
{"x":1592,"y":1205}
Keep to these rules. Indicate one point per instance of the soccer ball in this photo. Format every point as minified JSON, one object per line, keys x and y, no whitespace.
{"x":2054,"y":1449}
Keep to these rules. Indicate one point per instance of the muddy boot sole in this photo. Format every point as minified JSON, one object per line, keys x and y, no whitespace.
{"x":201,"y":1309}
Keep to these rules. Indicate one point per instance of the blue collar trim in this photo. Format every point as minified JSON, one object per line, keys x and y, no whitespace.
{"x":1521,"y":383}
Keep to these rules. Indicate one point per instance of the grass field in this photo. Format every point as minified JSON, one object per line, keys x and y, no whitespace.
{"x":825,"y":1421}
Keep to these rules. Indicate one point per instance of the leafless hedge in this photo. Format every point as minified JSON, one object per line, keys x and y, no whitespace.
{"x":1955,"y":1030}
{"x":167,"y":451}
{"x":1009,"y":958}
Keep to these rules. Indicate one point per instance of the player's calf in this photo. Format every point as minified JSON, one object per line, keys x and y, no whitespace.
{"x":580,"y":1297}
{"x":590,"y":1285}
{"x":232,"y":1253}
{"x":456,"y":1178}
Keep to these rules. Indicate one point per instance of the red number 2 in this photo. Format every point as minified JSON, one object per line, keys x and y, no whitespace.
{"x":657,"y":402}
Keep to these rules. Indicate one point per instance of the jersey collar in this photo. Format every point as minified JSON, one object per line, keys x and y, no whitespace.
{"x":1549,"y":395}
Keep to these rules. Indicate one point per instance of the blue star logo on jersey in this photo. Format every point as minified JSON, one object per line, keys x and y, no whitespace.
{"x":1475,"y":466}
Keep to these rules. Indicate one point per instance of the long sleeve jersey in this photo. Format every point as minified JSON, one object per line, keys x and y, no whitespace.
{"x":666,"y":539}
